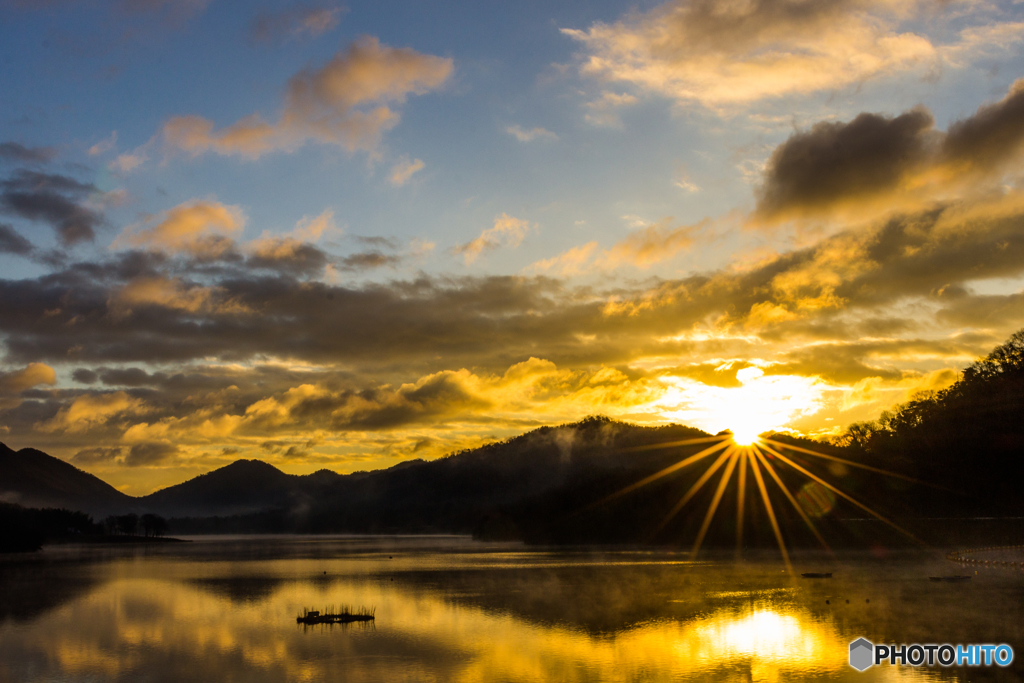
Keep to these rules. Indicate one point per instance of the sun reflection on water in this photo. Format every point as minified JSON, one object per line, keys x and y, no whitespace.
{"x":170,"y":627}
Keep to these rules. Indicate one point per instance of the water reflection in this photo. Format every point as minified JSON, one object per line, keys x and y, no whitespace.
{"x":469,"y":615}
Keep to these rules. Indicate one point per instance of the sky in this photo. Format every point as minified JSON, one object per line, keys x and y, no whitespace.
{"x":347,"y":235}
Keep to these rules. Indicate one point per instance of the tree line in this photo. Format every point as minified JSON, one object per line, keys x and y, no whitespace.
{"x":27,"y":529}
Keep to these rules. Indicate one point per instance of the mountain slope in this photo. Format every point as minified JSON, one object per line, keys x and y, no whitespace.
{"x":241,"y":487}
{"x":34,"y":479}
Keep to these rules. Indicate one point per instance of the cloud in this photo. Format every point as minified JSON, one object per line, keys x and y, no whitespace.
{"x":287,"y":255}
{"x":537,"y":133}
{"x":103,"y":146}
{"x":13,"y":243}
{"x":652,"y":244}
{"x":646,"y":245}
{"x":31,"y":376}
{"x":150,"y":453}
{"x":876,"y":164}
{"x":293,"y":251}
{"x":727,"y":54}
{"x":852,"y":283}
{"x":97,"y":456}
{"x":129,"y":161}
{"x":568,"y":263}
{"x":367,"y":260}
{"x":172,"y":294}
{"x":506,"y":232}
{"x":199,"y":228}
{"x":90,"y":410}
{"x":84,"y":375}
{"x":310,"y":229}
{"x":604,"y":110}
{"x":346,"y":102}
{"x":835,"y":163}
{"x":54,"y":199}
{"x":12,"y":151}
{"x":296,"y":23}
{"x":992,"y":138}
{"x":403,"y":170}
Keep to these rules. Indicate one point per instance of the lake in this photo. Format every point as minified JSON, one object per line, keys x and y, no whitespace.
{"x":451,"y":609}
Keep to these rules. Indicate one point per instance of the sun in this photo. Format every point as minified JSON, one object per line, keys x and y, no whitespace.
{"x":745,"y":435}
{"x":761,"y":403}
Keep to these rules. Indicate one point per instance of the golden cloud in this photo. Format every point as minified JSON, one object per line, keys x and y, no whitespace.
{"x":30,"y":376}
{"x":506,"y":232}
{"x":173,"y":294}
{"x":645,"y":246}
{"x":91,"y":410}
{"x":403,"y":170}
{"x":201,"y":228}
{"x":721,"y":54}
{"x":345,"y":102}
{"x":652,"y":244}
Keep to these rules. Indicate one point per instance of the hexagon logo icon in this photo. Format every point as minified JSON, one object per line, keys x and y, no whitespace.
{"x":861,"y":654}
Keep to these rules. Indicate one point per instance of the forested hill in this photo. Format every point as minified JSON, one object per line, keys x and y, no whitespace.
{"x":968,"y":437}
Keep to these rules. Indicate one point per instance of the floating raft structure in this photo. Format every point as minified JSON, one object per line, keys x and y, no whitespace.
{"x":960,"y":556}
{"x":332,"y":616}
{"x":817,"y":575}
{"x":957,"y":577}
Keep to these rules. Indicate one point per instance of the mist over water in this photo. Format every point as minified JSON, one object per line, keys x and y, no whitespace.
{"x":449,"y":609}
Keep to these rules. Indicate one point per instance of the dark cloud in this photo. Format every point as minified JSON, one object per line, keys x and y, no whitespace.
{"x":54,"y":199}
{"x":493,"y":322}
{"x":150,"y":453}
{"x":84,"y":376}
{"x":13,"y":243}
{"x":288,"y":256}
{"x":836,"y":162}
{"x":990,"y":138}
{"x":12,"y":151}
{"x":368,"y":260}
{"x":895,"y":161}
{"x":991,"y":311}
{"x":97,"y":456}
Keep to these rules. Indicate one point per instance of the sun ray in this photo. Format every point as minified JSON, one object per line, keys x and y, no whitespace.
{"x":789,"y":496}
{"x":741,"y":485}
{"x":694,"y":489}
{"x":851,"y":463}
{"x":835,"y":490}
{"x":771,"y":514}
{"x":657,"y":475}
{"x":726,"y":476}
{"x":684,"y":442}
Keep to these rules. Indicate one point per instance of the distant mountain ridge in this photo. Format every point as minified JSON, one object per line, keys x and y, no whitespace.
{"x":34,"y":479}
{"x":451,"y":493}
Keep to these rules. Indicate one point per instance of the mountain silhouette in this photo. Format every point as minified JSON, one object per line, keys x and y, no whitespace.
{"x":955,"y":453}
{"x":34,"y":479}
{"x":244,"y":486}
{"x":449,"y":494}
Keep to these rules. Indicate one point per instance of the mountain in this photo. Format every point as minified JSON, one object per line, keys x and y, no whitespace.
{"x":243,"y":486}
{"x":490,"y":490}
{"x":957,"y":453}
{"x":34,"y":479}
{"x":455,"y":493}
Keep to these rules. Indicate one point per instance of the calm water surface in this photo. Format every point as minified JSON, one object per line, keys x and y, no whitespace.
{"x":449,"y":609}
